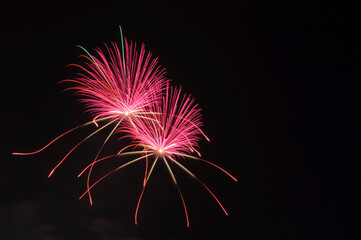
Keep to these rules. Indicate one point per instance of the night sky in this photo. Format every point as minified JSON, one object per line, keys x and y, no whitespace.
{"x":279,"y":85}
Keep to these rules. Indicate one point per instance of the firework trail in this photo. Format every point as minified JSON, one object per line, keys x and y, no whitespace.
{"x":170,"y":133}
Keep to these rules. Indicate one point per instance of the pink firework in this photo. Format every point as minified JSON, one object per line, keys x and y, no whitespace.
{"x":110,"y":91}
{"x":170,"y":132}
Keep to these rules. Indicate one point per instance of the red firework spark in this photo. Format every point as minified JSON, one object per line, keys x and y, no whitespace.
{"x":131,"y":86}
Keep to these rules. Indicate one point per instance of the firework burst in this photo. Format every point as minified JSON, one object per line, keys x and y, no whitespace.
{"x":108,"y":90}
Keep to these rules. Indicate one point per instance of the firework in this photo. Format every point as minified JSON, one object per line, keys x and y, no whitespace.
{"x":109,"y":90}
{"x":126,"y":89}
{"x":169,"y":133}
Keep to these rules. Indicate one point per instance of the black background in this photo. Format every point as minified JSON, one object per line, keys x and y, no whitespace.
{"x":279,"y":85}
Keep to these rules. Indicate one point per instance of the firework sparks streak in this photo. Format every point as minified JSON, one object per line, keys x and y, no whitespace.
{"x":173,"y":133}
{"x":127,"y":88}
